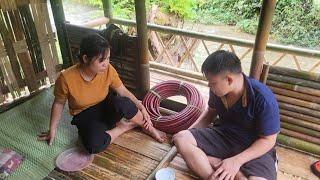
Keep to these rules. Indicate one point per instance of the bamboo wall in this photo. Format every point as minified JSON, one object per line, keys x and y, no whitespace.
{"x":298,"y":95}
{"x":28,"y":54}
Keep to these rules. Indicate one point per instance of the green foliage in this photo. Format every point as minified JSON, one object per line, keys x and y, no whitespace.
{"x":181,"y":8}
{"x":295,"y":21}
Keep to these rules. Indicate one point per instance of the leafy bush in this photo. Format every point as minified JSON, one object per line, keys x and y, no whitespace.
{"x":295,"y":22}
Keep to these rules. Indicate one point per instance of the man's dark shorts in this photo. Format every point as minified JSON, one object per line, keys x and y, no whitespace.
{"x":222,"y":145}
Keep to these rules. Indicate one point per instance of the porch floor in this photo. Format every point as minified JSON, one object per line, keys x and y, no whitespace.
{"x":135,"y":155}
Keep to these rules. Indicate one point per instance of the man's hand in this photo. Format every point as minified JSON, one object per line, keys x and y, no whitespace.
{"x":47,"y":136}
{"x":227,"y":169}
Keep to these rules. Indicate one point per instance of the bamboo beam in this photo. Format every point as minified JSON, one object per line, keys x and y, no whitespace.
{"x":295,"y":73}
{"x":222,"y":39}
{"x":294,"y":94}
{"x":299,"y":109}
{"x":165,"y":161}
{"x":174,"y":70}
{"x":262,"y":36}
{"x":96,"y":22}
{"x":300,"y":116}
{"x":300,"y":136}
{"x":300,"y":122}
{"x":299,"y":129}
{"x":142,"y":32}
{"x":299,"y":144}
{"x":293,"y":80}
{"x":298,"y":102}
{"x":294,"y":87}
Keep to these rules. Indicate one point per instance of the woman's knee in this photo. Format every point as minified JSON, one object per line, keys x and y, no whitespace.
{"x":95,"y":144}
{"x":125,"y":107}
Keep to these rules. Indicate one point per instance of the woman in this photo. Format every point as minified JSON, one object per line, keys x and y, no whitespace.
{"x":96,"y":111}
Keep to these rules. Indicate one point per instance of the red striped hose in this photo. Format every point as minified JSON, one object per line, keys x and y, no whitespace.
{"x":180,"y":120}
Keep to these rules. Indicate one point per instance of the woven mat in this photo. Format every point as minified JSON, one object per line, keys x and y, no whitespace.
{"x":19,"y":127}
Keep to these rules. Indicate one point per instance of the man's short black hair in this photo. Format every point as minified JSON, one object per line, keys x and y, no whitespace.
{"x":92,"y":45}
{"x":221,"y":61}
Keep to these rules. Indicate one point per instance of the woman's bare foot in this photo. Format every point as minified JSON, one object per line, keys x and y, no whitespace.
{"x":121,"y":127}
{"x":156,"y":134}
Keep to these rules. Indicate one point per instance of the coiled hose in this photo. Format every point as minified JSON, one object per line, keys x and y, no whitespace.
{"x":180,"y":120}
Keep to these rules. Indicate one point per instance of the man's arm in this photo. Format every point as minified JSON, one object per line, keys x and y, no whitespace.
{"x":205,"y":118}
{"x":230,"y":167}
{"x":257,"y":149}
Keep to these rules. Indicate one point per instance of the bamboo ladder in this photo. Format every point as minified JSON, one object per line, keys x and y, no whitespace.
{"x":28,"y":54}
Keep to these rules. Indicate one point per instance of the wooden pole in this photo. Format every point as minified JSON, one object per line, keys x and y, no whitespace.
{"x":59,"y":19}
{"x":144,"y":74}
{"x":262,"y":36}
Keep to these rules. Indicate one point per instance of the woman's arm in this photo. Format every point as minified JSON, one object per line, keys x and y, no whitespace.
{"x":123,"y":91}
{"x":56,"y":111}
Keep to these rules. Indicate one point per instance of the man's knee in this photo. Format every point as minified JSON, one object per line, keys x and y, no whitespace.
{"x":183,"y":137}
{"x":256,"y":178}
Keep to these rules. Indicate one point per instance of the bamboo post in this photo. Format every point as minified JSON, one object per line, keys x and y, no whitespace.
{"x":262,"y":36}
{"x":142,"y":31}
{"x":59,"y":19}
{"x":107,"y":8}
{"x":265,"y":73}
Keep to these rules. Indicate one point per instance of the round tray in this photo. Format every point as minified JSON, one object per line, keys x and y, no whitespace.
{"x":74,"y":159}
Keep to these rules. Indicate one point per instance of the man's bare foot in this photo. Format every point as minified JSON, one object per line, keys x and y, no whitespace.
{"x":155,"y":133}
{"x":214,"y":162}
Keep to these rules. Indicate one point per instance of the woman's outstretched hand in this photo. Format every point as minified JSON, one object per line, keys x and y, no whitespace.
{"x":47,"y":136}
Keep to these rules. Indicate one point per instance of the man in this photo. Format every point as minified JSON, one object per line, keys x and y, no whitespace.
{"x":240,"y":145}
